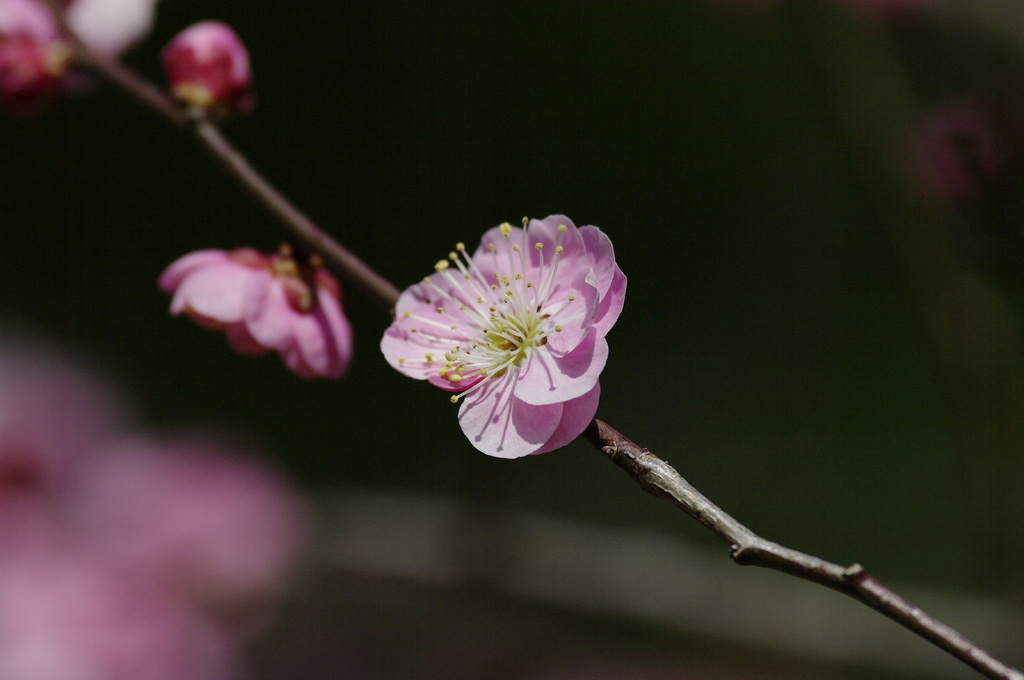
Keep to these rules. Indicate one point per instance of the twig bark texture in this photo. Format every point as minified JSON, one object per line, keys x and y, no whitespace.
{"x":652,"y":473}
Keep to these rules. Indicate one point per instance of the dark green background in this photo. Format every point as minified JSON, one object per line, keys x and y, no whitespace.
{"x":775,"y":347}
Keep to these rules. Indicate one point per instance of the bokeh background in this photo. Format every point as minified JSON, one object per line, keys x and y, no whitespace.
{"x":821,"y":214}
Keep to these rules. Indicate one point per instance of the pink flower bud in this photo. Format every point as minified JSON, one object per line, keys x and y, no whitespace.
{"x":207,"y":67}
{"x":31,"y":58}
{"x":265,"y":302}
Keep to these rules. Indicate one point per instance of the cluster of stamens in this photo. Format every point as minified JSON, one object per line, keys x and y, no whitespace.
{"x":502,"y":316}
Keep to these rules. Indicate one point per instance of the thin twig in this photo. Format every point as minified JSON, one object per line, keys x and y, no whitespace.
{"x":658,"y":478}
{"x":306,"y":234}
{"x":652,"y":473}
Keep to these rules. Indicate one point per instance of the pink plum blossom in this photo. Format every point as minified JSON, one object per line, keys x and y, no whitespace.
{"x":205,"y":521}
{"x":207,"y":67}
{"x":517,"y":331}
{"x":265,"y":302}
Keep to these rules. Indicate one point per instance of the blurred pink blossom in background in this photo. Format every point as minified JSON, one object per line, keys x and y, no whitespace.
{"x":34,"y":57}
{"x":263,"y":303}
{"x":200,"y":517}
{"x":127,"y":557}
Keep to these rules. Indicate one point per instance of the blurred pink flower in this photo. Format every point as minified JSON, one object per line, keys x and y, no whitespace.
{"x":195,"y":515}
{"x":265,"y":302}
{"x":207,"y":67}
{"x":31,"y":58}
{"x":66,"y":615}
{"x":518,"y":331}
{"x":53,"y":414}
{"x":34,"y":58}
{"x":960,"y":147}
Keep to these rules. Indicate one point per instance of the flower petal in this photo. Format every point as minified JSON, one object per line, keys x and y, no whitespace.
{"x":500,"y":425}
{"x":217,"y":291}
{"x":576,"y":416}
{"x":576,"y":307}
{"x":548,"y":379}
{"x":172,"y":277}
{"x":321,"y":341}
{"x":415,"y":344}
{"x":267,"y":314}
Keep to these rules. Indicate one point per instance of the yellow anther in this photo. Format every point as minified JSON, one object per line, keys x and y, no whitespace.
{"x":571,"y":298}
{"x":426,"y":279}
{"x":449,"y":356}
{"x":413,"y":330}
{"x":505,"y":228}
{"x":462,"y":308}
{"x":518,"y":276}
{"x":440,"y":310}
{"x":452,"y":328}
{"x":407,"y":315}
{"x":529,"y":284}
{"x":492,"y":246}
{"x":454,"y":399}
{"x":430,"y":357}
{"x":559,"y":249}
{"x":538,"y":245}
{"x":558,"y":329}
{"x":483,"y":372}
{"x":466,"y":276}
{"x":562,"y":228}
{"x":480,"y":299}
{"x":454,"y":378}
{"x":441,"y":265}
{"x":526,"y":220}
{"x":401,"y":361}
{"x":453,"y":256}
{"x":494,"y":287}
{"x":460,"y":369}
{"x":493,"y":308}
{"x":460,"y":246}
{"x":515,"y":248}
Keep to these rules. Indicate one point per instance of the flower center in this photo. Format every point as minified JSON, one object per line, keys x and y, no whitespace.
{"x":489,"y":319}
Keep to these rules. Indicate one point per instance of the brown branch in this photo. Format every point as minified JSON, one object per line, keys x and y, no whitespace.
{"x":303,"y":231}
{"x":652,"y":473}
{"x":658,"y":478}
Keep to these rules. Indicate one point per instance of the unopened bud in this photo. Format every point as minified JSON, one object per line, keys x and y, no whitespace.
{"x":30,"y":56}
{"x":207,"y":68}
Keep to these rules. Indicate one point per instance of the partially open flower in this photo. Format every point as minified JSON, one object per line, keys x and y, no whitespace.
{"x":207,"y":67}
{"x":517,"y":331}
{"x":266,"y":302}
